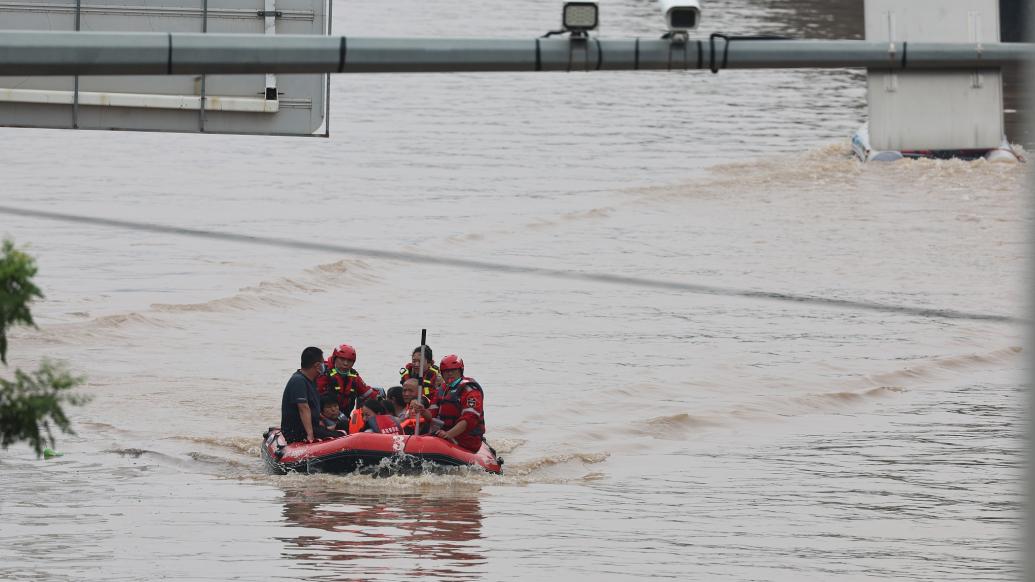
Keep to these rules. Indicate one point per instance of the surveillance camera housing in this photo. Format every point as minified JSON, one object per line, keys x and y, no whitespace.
{"x":681,"y":16}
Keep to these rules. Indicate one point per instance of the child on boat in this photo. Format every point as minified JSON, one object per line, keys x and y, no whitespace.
{"x":333,"y":423}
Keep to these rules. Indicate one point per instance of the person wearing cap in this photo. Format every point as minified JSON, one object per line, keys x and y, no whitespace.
{"x":343,"y":380}
{"x":460,"y":406}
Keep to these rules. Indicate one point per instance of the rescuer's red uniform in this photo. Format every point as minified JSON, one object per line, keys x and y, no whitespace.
{"x":464,"y":402}
{"x":348,"y":386}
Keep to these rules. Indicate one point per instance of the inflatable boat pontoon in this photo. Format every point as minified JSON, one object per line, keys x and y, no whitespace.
{"x":365,"y":451}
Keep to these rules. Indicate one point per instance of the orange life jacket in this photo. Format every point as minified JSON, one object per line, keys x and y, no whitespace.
{"x":410,"y":424}
{"x":356,"y":422}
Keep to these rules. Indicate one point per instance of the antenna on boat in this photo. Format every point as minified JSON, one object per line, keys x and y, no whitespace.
{"x":420,"y":377}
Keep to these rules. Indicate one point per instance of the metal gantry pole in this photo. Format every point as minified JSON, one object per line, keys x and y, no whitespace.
{"x":90,"y":53}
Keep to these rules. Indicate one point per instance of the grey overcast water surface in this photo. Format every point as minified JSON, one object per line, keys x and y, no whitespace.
{"x":647,"y":433}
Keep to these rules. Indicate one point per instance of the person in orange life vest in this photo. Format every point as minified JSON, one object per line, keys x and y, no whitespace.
{"x":378,"y":419}
{"x":460,"y":406}
{"x":342,"y":379}
{"x":415,"y":407}
{"x":333,"y":423}
{"x":432,"y":377}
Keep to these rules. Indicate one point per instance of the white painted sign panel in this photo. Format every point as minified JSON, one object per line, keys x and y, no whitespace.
{"x":928,"y":110}
{"x":248,"y":104}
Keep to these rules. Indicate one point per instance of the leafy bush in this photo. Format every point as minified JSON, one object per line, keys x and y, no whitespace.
{"x":31,"y":403}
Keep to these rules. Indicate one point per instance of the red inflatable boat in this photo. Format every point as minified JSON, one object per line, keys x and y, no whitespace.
{"x":365,"y":451}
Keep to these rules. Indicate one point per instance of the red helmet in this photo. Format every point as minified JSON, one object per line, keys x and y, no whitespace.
{"x":451,"y":362}
{"x":344,"y":351}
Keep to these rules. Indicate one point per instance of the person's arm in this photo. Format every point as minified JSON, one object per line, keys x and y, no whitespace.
{"x":450,"y":434}
{"x":437,"y":387}
{"x":362,"y":390}
{"x":307,"y":420}
{"x":469,"y":416}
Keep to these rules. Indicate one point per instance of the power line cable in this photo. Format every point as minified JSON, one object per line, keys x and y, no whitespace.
{"x":418,"y":258}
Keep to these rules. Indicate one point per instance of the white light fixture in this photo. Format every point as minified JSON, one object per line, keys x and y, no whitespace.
{"x":580,"y":17}
{"x":681,"y":16}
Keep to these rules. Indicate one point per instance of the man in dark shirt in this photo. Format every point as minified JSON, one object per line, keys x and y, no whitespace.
{"x":300,"y":407}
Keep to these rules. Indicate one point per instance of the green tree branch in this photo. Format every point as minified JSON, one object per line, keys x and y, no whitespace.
{"x":17,"y":291}
{"x":31,"y":403}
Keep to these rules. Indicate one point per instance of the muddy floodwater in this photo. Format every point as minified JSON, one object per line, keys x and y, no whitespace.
{"x":648,"y":431}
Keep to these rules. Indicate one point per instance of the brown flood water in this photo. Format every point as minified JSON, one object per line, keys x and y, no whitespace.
{"x":647,"y":433}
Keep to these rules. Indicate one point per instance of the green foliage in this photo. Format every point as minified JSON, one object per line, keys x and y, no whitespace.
{"x":30,"y":405}
{"x":17,"y":291}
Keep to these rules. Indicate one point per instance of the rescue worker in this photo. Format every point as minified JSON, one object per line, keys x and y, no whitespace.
{"x":432,"y":380}
{"x":460,"y":406}
{"x":343,"y":380}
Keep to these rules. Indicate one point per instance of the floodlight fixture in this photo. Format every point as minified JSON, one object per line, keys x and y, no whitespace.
{"x":580,"y":17}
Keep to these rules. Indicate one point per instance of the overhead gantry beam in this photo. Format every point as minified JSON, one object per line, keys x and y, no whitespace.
{"x":100,"y":53}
